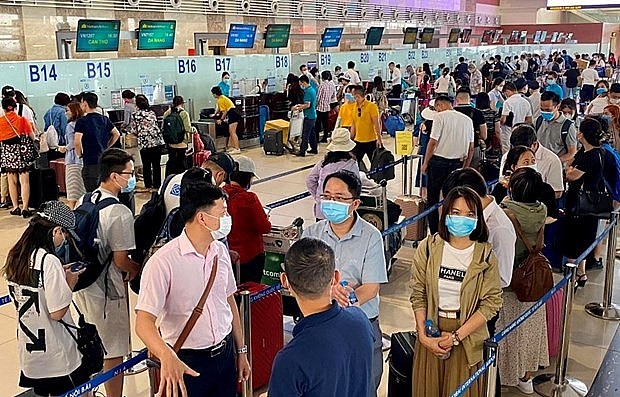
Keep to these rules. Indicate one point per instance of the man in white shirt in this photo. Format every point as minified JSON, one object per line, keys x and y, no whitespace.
{"x":548,"y":163}
{"x":451,"y":146}
{"x":354,"y":77}
{"x":534,"y":98}
{"x":394,"y":79}
{"x":589,"y":78}
{"x":516,"y":110}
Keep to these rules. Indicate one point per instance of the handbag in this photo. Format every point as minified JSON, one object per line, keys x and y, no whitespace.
{"x":27,"y":150}
{"x":532,"y":278}
{"x":88,"y":343}
{"x":598,"y":204}
{"x":153,"y":362}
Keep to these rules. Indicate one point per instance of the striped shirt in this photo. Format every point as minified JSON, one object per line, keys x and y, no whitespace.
{"x":327,"y":91}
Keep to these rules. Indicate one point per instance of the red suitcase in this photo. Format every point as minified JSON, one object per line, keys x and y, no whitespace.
{"x":58,"y":166}
{"x":267,"y":332}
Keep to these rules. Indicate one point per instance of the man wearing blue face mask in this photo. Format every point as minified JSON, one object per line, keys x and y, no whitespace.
{"x":553,"y":86}
{"x":359,"y":250}
{"x":104,"y":302}
{"x":554,"y":131}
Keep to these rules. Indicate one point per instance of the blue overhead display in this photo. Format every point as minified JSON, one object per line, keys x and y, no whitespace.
{"x":331,"y":37}
{"x":241,"y":36}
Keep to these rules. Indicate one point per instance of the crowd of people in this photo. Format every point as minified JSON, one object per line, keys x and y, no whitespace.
{"x":544,"y":152}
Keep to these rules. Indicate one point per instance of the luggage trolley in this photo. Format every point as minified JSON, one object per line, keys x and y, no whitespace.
{"x":374,"y":210}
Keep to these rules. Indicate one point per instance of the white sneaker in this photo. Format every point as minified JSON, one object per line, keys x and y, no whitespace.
{"x":234,"y":151}
{"x":526,"y":387}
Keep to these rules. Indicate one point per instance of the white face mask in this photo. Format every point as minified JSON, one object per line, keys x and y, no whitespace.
{"x":532,"y":166}
{"x":224,"y":229}
{"x":614,"y":101}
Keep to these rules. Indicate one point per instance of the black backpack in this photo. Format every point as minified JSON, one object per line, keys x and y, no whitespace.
{"x":173,"y":129}
{"x":564,"y":132}
{"x":381,"y":157}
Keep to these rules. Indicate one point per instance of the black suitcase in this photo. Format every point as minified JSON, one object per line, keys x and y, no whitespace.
{"x":400,"y":379}
{"x":273,"y":143}
{"x":43,"y":187}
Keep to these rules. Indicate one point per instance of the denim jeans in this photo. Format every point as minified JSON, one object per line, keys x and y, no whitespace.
{"x":308,"y":136}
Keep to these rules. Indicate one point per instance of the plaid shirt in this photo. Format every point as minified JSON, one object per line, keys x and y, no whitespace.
{"x":327,"y":91}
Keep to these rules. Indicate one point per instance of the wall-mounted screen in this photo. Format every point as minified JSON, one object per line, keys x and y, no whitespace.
{"x":497,"y":36}
{"x":427,"y":35}
{"x":411,"y":36}
{"x":536,"y":38}
{"x":156,"y":35}
{"x":373,"y":35}
{"x":277,"y":35}
{"x":465,"y":35}
{"x":241,"y":36}
{"x":578,"y":4}
{"x":487,"y":36}
{"x":331,"y":37}
{"x":97,"y":35}
{"x":554,"y":37}
{"x":514,"y":37}
{"x":543,"y":36}
{"x":455,"y":33}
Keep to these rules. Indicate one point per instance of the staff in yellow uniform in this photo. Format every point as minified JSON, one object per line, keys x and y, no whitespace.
{"x":366,"y":128}
{"x":347,"y":110}
{"x":225,"y":109}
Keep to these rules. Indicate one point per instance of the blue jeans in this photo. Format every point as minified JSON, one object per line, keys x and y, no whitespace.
{"x":308,"y":135}
{"x":218,"y":374}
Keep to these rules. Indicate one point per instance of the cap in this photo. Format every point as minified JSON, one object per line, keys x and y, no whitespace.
{"x":224,"y":161}
{"x":246,"y":165}
{"x":521,"y":83}
{"x":428,"y":114}
{"x":341,"y":141}
{"x":60,"y":214}
{"x":8,"y":91}
{"x":533,"y":85}
{"x":344,"y":76}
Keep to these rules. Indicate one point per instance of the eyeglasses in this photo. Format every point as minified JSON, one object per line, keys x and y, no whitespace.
{"x":339,"y":199}
{"x":132,"y":173}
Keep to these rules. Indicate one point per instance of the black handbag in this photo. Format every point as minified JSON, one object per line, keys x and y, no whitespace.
{"x":27,"y":149}
{"x":88,"y":343}
{"x":598,"y":204}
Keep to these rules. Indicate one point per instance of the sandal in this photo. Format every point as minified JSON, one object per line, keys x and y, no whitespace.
{"x":17,"y":211}
{"x":581,"y":281}
{"x":26,"y":213}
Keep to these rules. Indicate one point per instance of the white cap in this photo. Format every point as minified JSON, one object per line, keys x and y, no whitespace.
{"x":245,"y":164}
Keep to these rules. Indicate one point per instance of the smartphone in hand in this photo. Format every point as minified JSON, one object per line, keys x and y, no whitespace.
{"x":77,"y":266}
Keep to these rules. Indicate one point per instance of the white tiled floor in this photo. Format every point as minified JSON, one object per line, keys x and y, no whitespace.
{"x":589,"y":341}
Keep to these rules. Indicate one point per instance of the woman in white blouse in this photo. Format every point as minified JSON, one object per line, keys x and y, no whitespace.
{"x":443,"y":83}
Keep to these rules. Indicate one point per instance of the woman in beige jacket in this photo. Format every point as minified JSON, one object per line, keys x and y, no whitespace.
{"x":455,"y":284}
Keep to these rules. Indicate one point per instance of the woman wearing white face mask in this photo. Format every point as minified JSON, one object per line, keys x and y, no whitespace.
{"x":49,"y":359}
{"x":602,"y":98}
{"x":524,"y":157}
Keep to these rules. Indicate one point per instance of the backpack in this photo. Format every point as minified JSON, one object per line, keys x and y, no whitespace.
{"x":612,"y":174}
{"x":381,"y":157}
{"x":533,"y":277}
{"x":173,"y":129}
{"x":87,"y":249}
{"x":564,"y":132}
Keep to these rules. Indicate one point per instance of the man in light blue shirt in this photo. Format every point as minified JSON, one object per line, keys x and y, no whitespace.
{"x":358,"y":248}
{"x":57,"y":117}
{"x":553,"y":86}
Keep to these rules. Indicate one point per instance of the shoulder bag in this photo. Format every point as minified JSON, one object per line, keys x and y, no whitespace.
{"x":598,"y":204}
{"x":153,"y":362}
{"x":532,"y":278}
{"x":89,"y":343}
{"x":27,"y":150}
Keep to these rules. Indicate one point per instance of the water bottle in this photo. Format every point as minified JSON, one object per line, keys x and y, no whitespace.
{"x":353,"y":301}
{"x":432,"y":331}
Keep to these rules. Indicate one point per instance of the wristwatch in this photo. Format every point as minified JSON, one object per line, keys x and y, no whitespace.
{"x":242,"y":350}
{"x":456,"y":340}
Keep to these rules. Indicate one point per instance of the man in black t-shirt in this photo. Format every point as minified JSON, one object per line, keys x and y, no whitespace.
{"x":463,"y":105}
{"x":572,"y":76}
{"x":94,"y":133}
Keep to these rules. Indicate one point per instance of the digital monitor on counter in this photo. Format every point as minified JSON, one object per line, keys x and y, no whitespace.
{"x":427,"y":35}
{"x":97,"y":35}
{"x":411,"y":36}
{"x":156,"y":34}
{"x":277,"y":35}
{"x":374,"y":35}
{"x":241,"y":36}
{"x":331,"y":37}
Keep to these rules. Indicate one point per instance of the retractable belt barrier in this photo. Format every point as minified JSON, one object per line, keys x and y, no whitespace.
{"x":283,"y":174}
{"x":4,"y":300}
{"x":529,"y":312}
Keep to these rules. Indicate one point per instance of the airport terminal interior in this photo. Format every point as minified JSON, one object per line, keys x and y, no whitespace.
{"x":411,"y":60}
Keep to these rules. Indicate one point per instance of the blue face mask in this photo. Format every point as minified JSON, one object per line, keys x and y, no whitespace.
{"x":547,"y":116}
{"x":349,"y":97}
{"x":550,"y":82}
{"x":460,"y":226}
{"x":606,"y":118}
{"x":334,"y":211}
{"x":131,"y":185}
{"x":600,"y":91}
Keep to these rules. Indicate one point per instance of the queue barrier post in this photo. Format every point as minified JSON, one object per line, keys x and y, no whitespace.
{"x":490,"y":383}
{"x":405,"y":173}
{"x":558,"y":385}
{"x":606,"y":310}
{"x":246,"y":316}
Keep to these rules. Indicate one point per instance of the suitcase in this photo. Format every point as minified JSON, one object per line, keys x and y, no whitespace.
{"x":554,"y":307}
{"x":273,"y":143}
{"x":400,"y":378}
{"x":267,"y":333}
{"x":411,"y":206}
{"x":59,"y":167}
{"x":43,"y":187}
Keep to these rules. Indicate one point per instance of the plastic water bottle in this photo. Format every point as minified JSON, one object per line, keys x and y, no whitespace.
{"x":432,"y":331}
{"x":353,"y":301}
